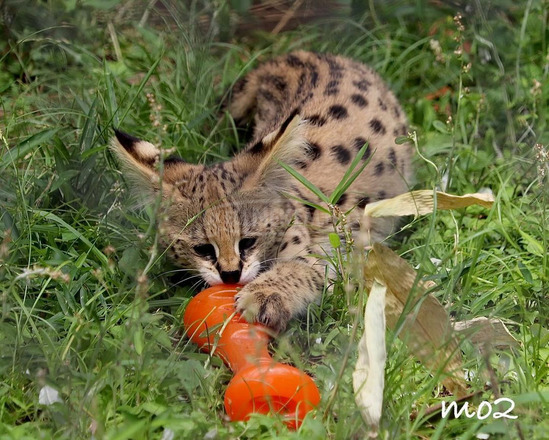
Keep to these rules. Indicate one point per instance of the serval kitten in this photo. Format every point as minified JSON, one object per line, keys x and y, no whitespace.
{"x":238,"y":221}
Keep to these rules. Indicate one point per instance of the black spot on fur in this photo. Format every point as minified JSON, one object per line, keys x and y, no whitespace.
{"x":392,"y":158}
{"x":283,"y":247}
{"x":301,"y":164}
{"x":296,"y":240}
{"x":336,"y":69}
{"x":277,"y":81}
{"x":401,"y":130}
{"x":263,"y":113}
{"x":321,"y":56}
{"x":338,"y":112}
{"x":314,"y":75}
{"x":342,"y":200}
{"x":307,"y":98}
{"x":379,"y":169}
{"x":359,"y":100}
{"x":294,"y":61}
{"x":382,"y":104}
{"x":301,"y":83}
{"x":257,"y":148}
{"x":381,"y":195}
{"x":362,"y":85}
{"x":332,"y":88}
{"x":126,"y":140}
{"x":240,"y":85}
{"x":311,"y":211}
{"x":314,"y":151}
{"x":342,"y":154}
{"x":268,"y":96}
{"x":377,"y":126}
{"x":358,"y":143}
{"x":362,"y":202}
{"x":396,"y":111}
{"x":317,"y":120}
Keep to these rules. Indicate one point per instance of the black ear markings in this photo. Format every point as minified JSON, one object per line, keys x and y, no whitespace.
{"x":268,"y":142}
{"x":287,"y":121}
{"x":257,"y":148}
{"x":126,"y":140}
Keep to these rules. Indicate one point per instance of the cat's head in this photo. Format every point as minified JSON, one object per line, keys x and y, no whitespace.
{"x":224,"y":221}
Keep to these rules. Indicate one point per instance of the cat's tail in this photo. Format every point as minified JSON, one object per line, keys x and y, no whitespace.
{"x":241,"y":99}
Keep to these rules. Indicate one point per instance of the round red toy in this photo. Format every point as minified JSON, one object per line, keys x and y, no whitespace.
{"x":260,"y":385}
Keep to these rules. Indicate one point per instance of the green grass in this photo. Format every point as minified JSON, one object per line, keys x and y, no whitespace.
{"x":92,"y":308}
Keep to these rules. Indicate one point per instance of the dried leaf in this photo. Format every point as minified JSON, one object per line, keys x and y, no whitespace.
{"x":423,"y":202}
{"x":426,"y":328}
{"x":486,"y":332}
{"x":368,"y":377}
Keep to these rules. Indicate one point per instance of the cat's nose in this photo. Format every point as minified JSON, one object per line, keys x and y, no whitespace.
{"x":230,"y":277}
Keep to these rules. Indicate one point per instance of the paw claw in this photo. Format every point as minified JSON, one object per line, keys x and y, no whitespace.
{"x":267,"y":308}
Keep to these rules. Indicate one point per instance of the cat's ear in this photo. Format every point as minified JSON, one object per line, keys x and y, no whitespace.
{"x":285,"y":145}
{"x":141,"y":164}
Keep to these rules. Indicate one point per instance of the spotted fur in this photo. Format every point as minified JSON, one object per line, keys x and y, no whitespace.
{"x":238,"y":221}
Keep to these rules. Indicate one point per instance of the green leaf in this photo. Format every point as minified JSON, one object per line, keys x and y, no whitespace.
{"x":309,"y":185}
{"x":525,"y":272}
{"x":94,"y":250}
{"x":26,"y":146}
{"x":130,"y":261}
{"x":130,"y":430}
{"x":440,"y":126}
{"x":102,"y":4}
{"x":348,"y":178}
{"x":533,"y":246}
{"x":88,"y":131}
{"x":139,"y":89}
{"x":335,"y":241}
{"x":138,"y":341}
{"x":308,"y":203}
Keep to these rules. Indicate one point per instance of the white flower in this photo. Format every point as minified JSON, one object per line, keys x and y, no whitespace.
{"x":48,"y":396}
{"x":168,"y":434}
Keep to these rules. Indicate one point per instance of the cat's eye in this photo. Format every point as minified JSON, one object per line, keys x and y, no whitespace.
{"x":205,"y":250}
{"x":246,"y":243}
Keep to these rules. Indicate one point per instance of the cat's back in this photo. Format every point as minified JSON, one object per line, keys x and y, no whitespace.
{"x":346,"y":105}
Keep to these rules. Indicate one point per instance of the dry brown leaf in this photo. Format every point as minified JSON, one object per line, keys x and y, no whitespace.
{"x":368,"y":377}
{"x":423,"y":202}
{"x":426,"y":329}
{"x":486,"y":332}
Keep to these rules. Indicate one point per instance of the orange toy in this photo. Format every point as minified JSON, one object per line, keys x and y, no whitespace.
{"x":260,"y":384}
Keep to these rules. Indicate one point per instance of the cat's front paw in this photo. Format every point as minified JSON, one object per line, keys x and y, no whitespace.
{"x":257,"y":302}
